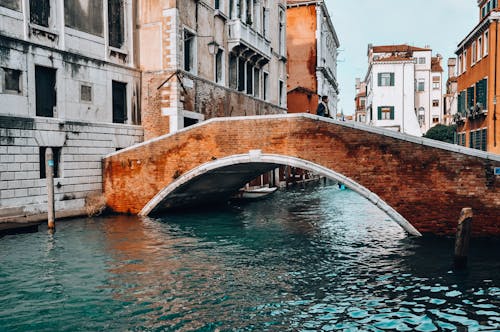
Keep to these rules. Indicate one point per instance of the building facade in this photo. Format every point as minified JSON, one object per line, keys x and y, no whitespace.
{"x":312,"y":45}
{"x":451,"y":96}
{"x":68,"y":81}
{"x":476,"y":79}
{"x":404,"y":88}
{"x":204,"y":59}
{"x":360,"y":101}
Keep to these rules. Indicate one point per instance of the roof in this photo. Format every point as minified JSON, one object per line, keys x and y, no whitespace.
{"x":436,"y":64}
{"x":301,"y":2}
{"x":397,"y":48}
{"x":394,"y":58}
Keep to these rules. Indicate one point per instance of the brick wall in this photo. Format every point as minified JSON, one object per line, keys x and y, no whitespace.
{"x":428,"y":183}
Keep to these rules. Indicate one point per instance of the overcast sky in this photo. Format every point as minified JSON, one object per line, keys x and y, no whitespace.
{"x":439,"y":24}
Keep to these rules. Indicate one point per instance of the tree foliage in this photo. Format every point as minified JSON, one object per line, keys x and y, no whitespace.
{"x":442,"y":133}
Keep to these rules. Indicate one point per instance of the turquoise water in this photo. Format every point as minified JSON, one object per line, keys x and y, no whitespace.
{"x":309,"y":259}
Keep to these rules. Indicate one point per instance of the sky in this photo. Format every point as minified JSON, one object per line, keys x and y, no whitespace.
{"x":439,"y":24}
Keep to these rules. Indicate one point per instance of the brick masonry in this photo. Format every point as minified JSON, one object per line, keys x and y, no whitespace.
{"x":427,"y":182}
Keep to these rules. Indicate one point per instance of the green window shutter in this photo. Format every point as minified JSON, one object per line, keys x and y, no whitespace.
{"x":379,"y":76}
{"x":392,"y":79}
{"x":379,"y":113}
{"x":392,"y":112}
{"x":459,"y":103}
{"x":484,"y":137}
{"x":470,"y":97}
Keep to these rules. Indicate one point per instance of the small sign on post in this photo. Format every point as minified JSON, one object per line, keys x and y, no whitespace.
{"x":497,"y":171}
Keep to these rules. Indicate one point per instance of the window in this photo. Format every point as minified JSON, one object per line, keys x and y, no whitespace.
{"x":386,"y":113}
{"x":116,"y":32}
{"x":265,"y":20}
{"x":436,"y":82}
{"x":474,"y":53}
{"x":11,"y":81}
{"x":479,"y":48}
{"x":386,"y":79}
{"x":86,"y":93}
{"x":421,"y":61}
{"x":435,"y":103}
{"x":421,"y":86}
{"x":281,"y":93}
{"x":40,"y":12}
{"x":218,"y":4}
{"x":56,"y":153}
{"x":483,"y":11}
{"x":256,"y":82}
{"x":435,"y":119}
{"x":249,"y":74}
{"x":119,"y":102}
{"x":265,"y":87}
{"x":470,"y":97}
{"x":241,"y":74}
{"x":45,"y":91}
{"x":11,"y":4}
{"x":459,"y":67}
{"x":464,"y":62}
{"x":486,"y":43}
{"x":421,"y":116}
{"x":189,"y":122}
{"x":484,"y":137}
{"x":482,"y":93}
{"x":219,"y":67}
{"x":85,"y":16}
{"x":233,"y":71}
{"x":189,"y":40}
{"x":460,"y":139}
{"x":282,"y":32}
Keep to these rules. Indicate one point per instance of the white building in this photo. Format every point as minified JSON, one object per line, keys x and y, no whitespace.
{"x":67,"y":81}
{"x":404,"y":88}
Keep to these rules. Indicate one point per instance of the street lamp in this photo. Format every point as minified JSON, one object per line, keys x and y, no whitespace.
{"x":213,"y":47}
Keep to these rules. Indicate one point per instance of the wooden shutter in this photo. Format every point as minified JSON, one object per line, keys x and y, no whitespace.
{"x":392,"y":111}
{"x":379,"y":112}
{"x":392,"y":79}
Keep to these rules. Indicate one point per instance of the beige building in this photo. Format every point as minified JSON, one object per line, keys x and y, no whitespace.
{"x":204,"y":59}
{"x":451,"y":96}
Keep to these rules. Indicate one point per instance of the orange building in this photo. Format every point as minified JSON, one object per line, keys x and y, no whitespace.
{"x":311,"y":56}
{"x":478,"y":70}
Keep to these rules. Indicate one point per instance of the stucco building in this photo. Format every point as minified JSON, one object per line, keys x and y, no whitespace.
{"x":360,"y":101}
{"x":204,"y":59}
{"x":450,"y":105}
{"x":477,"y":77}
{"x":404,"y":88}
{"x":68,"y":80}
{"x":312,"y":45}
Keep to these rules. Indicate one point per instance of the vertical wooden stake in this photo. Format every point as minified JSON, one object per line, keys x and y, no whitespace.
{"x":49,"y":174}
{"x":462,"y":238}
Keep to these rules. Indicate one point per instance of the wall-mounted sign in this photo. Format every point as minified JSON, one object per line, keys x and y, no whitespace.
{"x":497,"y":171}
{"x":51,"y":163}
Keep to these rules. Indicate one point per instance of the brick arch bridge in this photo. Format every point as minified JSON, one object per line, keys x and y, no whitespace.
{"x":422,"y":184}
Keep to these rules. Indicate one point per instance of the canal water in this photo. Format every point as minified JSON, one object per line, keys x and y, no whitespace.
{"x":312,"y":258}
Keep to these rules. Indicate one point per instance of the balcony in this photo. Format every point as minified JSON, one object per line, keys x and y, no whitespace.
{"x":246,"y":42}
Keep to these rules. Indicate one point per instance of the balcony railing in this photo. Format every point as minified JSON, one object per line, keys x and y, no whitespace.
{"x":241,"y":35}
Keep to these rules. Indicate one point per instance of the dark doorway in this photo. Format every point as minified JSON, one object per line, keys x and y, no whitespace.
{"x":45,"y":85}
{"x":119,"y":102}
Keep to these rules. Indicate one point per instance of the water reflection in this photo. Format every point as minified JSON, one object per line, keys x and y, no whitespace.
{"x":311,"y":259}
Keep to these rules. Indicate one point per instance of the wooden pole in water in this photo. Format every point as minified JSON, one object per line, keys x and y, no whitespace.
{"x":462,"y":238}
{"x":49,"y":174}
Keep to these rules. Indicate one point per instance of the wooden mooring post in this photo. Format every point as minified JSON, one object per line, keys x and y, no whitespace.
{"x":49,"y":174}
{"x":462,"y":239}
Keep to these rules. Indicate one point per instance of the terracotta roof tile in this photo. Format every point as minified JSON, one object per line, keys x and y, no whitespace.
{"x":393,"y":58}
{"x":397,"y":48}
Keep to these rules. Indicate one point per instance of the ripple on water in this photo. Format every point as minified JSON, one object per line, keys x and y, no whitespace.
{"x":315,"y":259}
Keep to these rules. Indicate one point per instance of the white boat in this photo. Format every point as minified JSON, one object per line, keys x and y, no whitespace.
{"x":254,"y":193}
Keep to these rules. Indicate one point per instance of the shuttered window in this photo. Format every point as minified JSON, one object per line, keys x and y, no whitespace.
{"x":470,"y":97}
{"x":481,"y":92}
{"x":484,"y":137}
{"x":386,"y":112}
{"x":385,"y":79}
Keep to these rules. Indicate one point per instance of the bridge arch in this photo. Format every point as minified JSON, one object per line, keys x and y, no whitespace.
{"x":268,"y":161}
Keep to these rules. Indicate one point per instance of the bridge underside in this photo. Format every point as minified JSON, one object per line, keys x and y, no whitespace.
{"x":213,"y":187}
